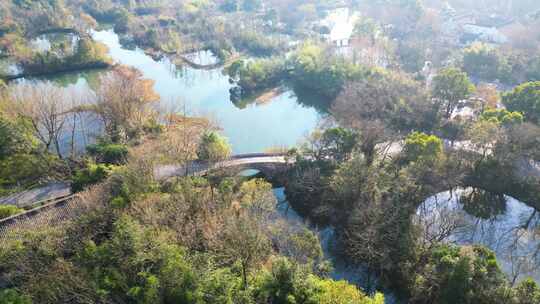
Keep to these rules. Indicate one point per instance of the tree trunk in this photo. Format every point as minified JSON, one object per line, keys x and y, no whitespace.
{"x":244,"y":275}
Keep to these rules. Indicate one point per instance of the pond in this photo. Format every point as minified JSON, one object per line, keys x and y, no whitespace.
{"x":280,"y":123}
{"x":505,"y":225}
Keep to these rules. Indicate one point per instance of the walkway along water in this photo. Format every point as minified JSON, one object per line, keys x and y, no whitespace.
{"x":54,"y":209}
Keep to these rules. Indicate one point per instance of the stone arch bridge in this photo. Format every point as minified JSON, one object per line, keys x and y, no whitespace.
{"x":271,"y":165}
{"x":57,"y":208}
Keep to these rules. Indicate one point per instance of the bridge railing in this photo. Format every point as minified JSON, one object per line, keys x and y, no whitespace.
{"x":41,"y":206}
{"x":252,"y":155}
{"x":32,"y":212}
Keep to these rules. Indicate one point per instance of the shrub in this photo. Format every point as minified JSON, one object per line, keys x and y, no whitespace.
{"x":108,"y":153}
{"x":92,"y":174}
{"x":9,"y":210}
{"x":213,"y":147}
{"x":11,"y":296}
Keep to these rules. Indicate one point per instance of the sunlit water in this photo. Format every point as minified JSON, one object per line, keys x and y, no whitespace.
{"x":254,"y":128}
{"x":282,"y":123}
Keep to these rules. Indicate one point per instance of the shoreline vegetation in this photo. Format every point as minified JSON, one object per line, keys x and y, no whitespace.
{"x":267,"y":96}
{"x":87,"y":54}
{"x":403,"y":123}
{"x":60,"y":70}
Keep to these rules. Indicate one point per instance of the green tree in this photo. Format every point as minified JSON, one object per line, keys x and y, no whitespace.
{"x":290,"y":283}
{"x":108,"y":153}
{"x":525,"y":99}
{"x":11,"y":296}
{"x":456,"y":274}
{"x":213,"y":148}
{"x":90,"y":175}
{"x":342,"y":292}
{"x":22,"y":159}
{"x":15,"y":137}
{"x":316,"y":68}
{"x":527,"y":292}
{"x":486,"y":62}
{"x":421,"y":146}
{"x":334,"y":144}
{"x":502,"y":117}
{"x":451,"y":87}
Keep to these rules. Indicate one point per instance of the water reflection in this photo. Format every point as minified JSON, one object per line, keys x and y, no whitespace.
{"x":254,"y":128}
{"x":505,"y":225}
{"x":281,"y":122}
{"x":483,"y":204}
{"x":205,"y":57}
{"x":341,"y":270}
{"x":81,"y":80}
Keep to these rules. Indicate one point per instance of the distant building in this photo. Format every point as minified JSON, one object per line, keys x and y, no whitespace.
{"x":340,"y":24}
{"x":467,"y":27}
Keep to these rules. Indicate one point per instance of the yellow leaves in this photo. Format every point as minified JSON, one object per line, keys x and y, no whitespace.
{"x":88,"y":20}
{"x":257,"y":194}
{"x":15,"y":45}
{"x":341,"y":292}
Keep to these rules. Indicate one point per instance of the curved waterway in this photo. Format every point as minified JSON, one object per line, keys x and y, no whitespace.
{"x":507,"y":226}
{"x":341,"y":270}
{"x":279,"y":123}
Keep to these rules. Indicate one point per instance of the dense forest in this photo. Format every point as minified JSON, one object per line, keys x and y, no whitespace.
{"x":414,"y":99}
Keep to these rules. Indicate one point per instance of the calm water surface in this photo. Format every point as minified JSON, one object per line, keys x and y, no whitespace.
{"x":505,"y":225}
{"x":256,"y":128}
{"x":510,"y":231}
{"x":282,"y":122}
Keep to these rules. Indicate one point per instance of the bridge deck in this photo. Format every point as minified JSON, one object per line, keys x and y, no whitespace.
{"x":58,"y":205}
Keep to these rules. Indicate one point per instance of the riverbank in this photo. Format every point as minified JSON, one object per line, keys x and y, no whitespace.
{"x":213,"y":66}
{"x":58,"y":71}
{"x":269,"y":95}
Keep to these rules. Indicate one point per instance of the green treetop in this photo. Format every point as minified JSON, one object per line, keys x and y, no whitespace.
{"x":421,"y":146}
{"x":450,"y":87}
{"x":502,"y":116}
{"x":213,"y":147}
{"x":525,"y":98}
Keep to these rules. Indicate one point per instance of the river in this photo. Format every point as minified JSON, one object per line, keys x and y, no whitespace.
{"x":283,"y":122}
{"x":279,"y":123}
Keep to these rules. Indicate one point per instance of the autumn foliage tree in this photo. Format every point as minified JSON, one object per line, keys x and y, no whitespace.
{"x":381,"y":107}
{"x":123,"y":103}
